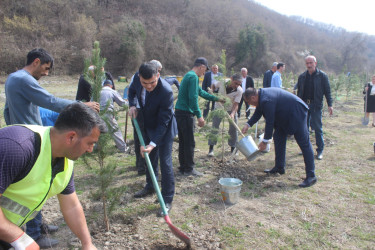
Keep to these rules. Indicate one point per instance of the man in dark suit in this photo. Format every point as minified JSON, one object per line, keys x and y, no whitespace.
{"x":247,"y":82}
{"x":155,"y":98}
{"x":287,"y":114}
{"x":209,"y":80}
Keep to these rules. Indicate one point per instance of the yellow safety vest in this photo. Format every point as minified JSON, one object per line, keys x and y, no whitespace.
{"x":22,"y":200}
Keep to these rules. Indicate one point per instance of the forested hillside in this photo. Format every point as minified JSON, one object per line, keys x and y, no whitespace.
{"x":174,"y":32}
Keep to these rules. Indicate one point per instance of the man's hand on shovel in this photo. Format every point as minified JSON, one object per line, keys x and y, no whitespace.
{"x":148,"y":150}
{"x":133,"y":112}
{"x":245,"y":128}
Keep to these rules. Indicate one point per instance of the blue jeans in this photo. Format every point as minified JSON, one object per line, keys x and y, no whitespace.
{"x":314,"y":118}
{"x":33,"y":226}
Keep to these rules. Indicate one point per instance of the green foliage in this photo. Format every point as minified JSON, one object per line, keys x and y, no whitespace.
{"x":23,"y":27}
{"x":97,"y":78}
{"x":106,"y":171}
{"x":223,"y":62}
{"x":124,"y":42}
{"x":251,"y":45}
{"x":288,"y":79}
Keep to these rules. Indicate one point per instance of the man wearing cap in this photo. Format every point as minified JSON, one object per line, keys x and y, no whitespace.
{"x":186,"y":108}
{"x":107,"y":97}
{"x":268,"y":76}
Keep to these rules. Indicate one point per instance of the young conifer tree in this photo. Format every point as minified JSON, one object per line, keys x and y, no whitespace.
{"x":106,"y":171}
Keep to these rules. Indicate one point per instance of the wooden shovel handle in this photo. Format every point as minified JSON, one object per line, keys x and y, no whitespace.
{"x":231,"y":121}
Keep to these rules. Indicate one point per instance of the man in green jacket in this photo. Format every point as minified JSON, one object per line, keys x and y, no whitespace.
{"x":186,"y":108}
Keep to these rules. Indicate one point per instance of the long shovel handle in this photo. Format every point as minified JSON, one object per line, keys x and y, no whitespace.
{"x":126,"y":125}
{"x":174,"y":229}
{"x":232,"y":122}
{"x":150,"y":169}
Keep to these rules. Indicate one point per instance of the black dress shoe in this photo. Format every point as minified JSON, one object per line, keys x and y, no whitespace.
{"x":193,"y":172}
{"x":45,"y":242}
{"x":48,"y":229}
{"x":141,"y":173}
{"x":143,"y":193}
{"x":168,"y":207}
{"x":309,"y":181}
{"x":275,"y":170}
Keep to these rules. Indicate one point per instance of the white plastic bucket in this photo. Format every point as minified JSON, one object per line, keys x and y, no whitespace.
{"x":230,"y":190}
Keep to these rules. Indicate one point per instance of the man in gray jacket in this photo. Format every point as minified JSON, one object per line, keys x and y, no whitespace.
{"x":107,"y":98}
{"x":24,"y":95}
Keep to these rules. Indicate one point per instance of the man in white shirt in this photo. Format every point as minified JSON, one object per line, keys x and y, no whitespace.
{"x":234,"y":92}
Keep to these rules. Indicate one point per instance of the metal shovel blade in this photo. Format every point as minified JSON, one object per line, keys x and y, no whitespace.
{"x":365,"y":121}
{"x":176,"y":231}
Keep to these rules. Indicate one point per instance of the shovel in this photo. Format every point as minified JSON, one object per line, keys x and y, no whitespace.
{"x":365,"y":120}
{"x":174,"y":229}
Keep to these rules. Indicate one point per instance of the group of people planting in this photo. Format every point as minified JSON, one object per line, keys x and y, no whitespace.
{"x":36,"y":162}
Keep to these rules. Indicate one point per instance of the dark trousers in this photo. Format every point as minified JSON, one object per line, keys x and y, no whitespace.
{"x":303,"y":140}
{"x":164,"y":153}
{"x":185,"y":124}
{"x":140,"y":162}
{"x":239,"y":109}
{"x":33,"y":226}
{"x":4,"y":245}
{"x":207,"y":109}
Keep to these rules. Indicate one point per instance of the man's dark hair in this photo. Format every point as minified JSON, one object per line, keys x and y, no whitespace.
{"x":148,"y":70}
{"x":80,"y":118}
{"x":280,"y":64}
{"x":237,"y":77}
{"x":249,"y":92}
{"x":40,"y":53}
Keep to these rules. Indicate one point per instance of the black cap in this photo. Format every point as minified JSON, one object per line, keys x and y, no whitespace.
{"x":201,"y":61}
{"x":109,"y":82}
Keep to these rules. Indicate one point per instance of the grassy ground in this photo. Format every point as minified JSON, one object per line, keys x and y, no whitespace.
{"x":337,"y":212}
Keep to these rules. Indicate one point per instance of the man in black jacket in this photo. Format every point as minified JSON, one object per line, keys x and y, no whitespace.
{"x":84,"y":87}
{"x":312,"y":85}
{"x":247,"y":82}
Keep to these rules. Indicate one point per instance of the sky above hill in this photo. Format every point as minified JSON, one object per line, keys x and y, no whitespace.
{"x":356,"y":15}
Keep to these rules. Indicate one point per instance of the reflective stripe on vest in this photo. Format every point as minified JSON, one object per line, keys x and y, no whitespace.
{"x":22,"y":200}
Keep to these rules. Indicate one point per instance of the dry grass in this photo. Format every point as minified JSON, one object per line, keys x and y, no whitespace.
{"x":337,"y":212}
